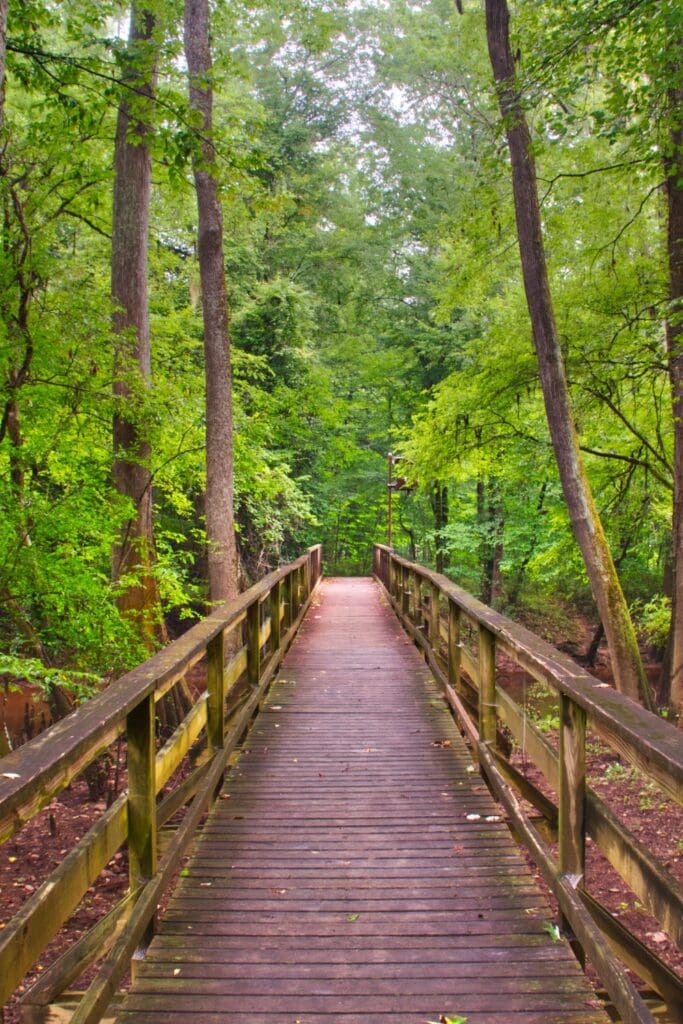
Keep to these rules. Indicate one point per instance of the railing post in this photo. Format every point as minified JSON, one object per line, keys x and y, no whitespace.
{"x":572,"y":798}
{"x":434,"y":617}
{"x":254,"y":643}
{"x":391,"y":581}
{"x":289,"y":600}
{"x":215,"y":709}
{"x":454,"y":645}
{"x":487,"y":686}
{"x":142,"y":806}
{"x":405,"y":592}
{"x":307,"y":579}
{"x":275,"y":601}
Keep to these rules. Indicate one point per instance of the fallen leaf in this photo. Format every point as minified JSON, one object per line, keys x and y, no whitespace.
{"x":552,"y":930}
{"x":657,"y":936}
{"x":176,"y":972}
{"x":352,"y":917}
{"x":473,"y":817}
{"x":441,"y":743}
{"x":10,"y":775}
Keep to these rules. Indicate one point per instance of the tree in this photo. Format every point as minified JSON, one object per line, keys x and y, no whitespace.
{"x":222,"y":556}
{"x":133,"y":555}
{"x":628,"y":670}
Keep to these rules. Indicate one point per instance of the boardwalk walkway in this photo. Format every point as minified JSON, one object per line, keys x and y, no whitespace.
{"x":356,"y":869}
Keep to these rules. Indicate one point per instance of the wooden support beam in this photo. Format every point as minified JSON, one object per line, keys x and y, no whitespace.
{"x":216,"y":691}
{"x":142,"y":815}
{"x":254,"y":643}
{"x":434,"y":617}
{"x":454,"y":646}
{"x":275,"y":602}
{"x":487,"y":686}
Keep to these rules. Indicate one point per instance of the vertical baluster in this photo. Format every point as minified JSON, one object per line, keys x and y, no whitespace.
{"x":434,"y":617}
{"x":215,"y":710}
{"x":289,"y":600}
{"x":454,"y":658}
{"x":254,"y":643}
{"x":487,"y":686}
{"x":572,"y":799}
{"x":275,"y":601}
{"x":142,"y":808}
{"x":405,"y":592}
{"x":307,"y":579}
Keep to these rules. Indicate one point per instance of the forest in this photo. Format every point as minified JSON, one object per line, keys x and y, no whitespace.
{"x":257,"y":260}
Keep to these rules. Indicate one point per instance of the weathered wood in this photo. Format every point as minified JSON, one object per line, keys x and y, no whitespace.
{"x":142,"y":854}
{"x":644,"y":739}
{"x":638,"y":957}
{"x":654,"y":886}
{"x":215,"y":710}
{"x":566,"y":877}
{"x":487,"y":686}
{"x":572,"y":792}
{"x":454,"y":647}
{"x":36,"y":771}
{"x":177,"y":745}
{"x":35,"y":925}
{"x":253,"y":643}
{"x":96,"y":942}
{"x":434,"y":616}
{"x":354,"y":835}
{"x":275,"y":601}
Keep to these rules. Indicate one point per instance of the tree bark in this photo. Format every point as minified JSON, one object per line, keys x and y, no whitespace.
{"x":3,"y":56}
{"x":674,"y":341}
{"x":133,"y":555}
{"x":628,"y":671}
{"x":222,"y":556}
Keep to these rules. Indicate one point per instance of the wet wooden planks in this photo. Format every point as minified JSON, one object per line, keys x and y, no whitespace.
{"x":356,"y":868}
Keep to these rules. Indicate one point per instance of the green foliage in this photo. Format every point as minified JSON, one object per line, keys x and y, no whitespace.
{"x":376,"y":304}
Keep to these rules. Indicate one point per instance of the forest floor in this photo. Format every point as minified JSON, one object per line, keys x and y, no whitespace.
{"x":29,"y":857}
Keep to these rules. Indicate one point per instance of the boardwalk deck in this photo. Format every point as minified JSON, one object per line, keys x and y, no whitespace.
{"x":356,"y":869}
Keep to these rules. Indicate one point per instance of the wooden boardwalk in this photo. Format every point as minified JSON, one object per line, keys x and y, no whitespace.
{"x":356,"y":868}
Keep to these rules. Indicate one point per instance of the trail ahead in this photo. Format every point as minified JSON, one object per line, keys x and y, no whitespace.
{"x":356,"y":868}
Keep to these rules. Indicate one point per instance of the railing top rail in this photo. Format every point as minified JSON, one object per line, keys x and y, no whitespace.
{"x":38,"y":764}
{"x":628,"y":726}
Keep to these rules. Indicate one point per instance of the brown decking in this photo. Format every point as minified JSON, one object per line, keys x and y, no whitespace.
{"x":350,"y":873}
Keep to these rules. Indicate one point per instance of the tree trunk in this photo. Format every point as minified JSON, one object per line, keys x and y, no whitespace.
{"x":674,"y":340}
{"x":3,"y":55}
{"x":628,"y":671}
{"x":222,"y":557}
{"x":133,"y":555}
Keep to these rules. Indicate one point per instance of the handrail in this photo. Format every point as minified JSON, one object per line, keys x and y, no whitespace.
{"x":252,"y":632}
{"x":651,"y":744}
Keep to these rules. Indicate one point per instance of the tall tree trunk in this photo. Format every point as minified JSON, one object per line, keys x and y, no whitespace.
{"x":222,"y":555}
{"x":3,"y":55}
{"x":133,"y":554}
{"x":627,"y":666}
{"x":674,"y":340}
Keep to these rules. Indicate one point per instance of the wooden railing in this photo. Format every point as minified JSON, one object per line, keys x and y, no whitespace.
{"x":460,"y":638}
{"x":244,"y":642}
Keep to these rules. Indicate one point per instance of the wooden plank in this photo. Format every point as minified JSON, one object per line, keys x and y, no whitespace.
{"x":215,"y":712}
{"x":352,"y":871}
{"x":142,"y":789}
{"x":36,"y":771}
{"x":41,"y":917}
{"x":644,"y":739}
